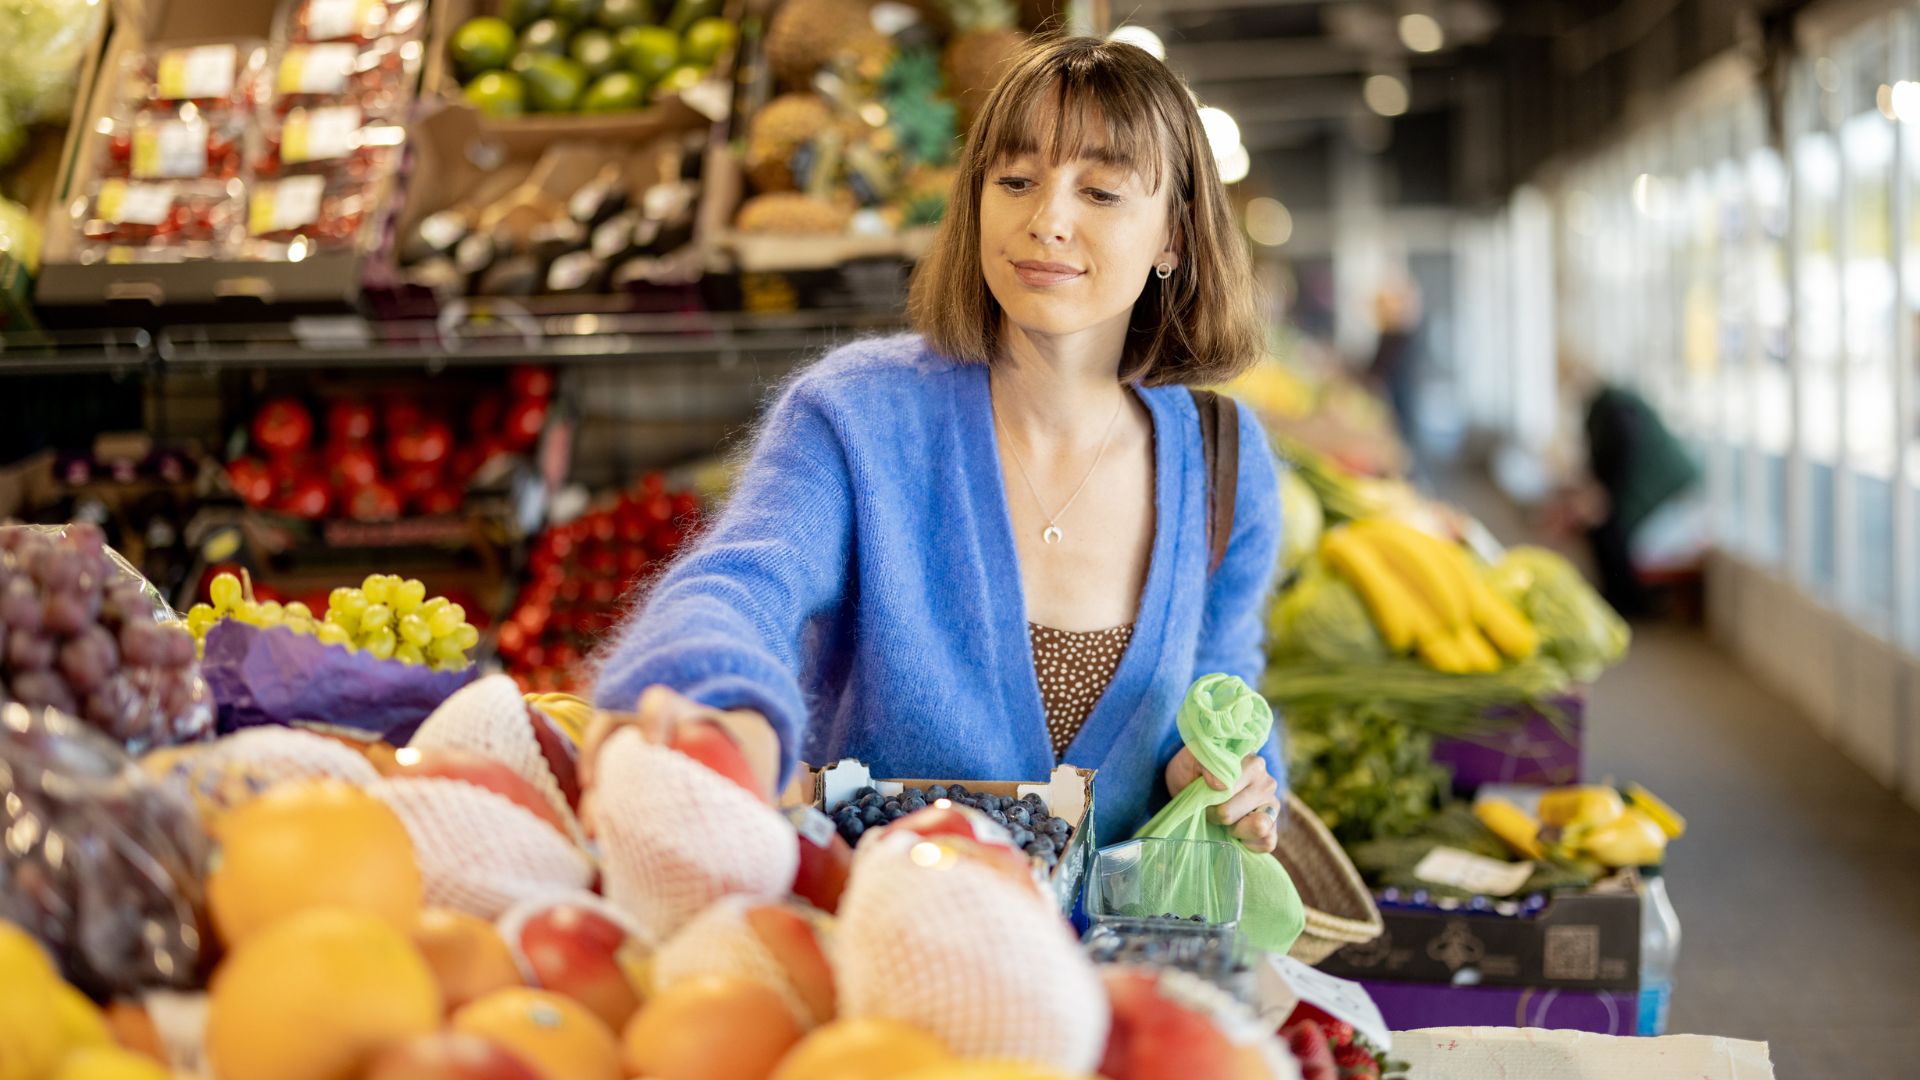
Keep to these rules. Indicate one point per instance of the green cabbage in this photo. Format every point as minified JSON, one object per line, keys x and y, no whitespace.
{"x":45,"y":40}
{"x":1301,"y":520}
{"x":1322,"y":618}
{"x":1578,"y":630}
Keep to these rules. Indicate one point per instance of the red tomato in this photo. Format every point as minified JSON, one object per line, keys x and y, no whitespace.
{"x":373,"y":502}
{"x":525,"y":420}
{"x":283,"y":426}
{"x":349,"y":421}
{"x":351,"y":465}
{"x":427,"y":443}
{"x":439,"y":500}
{"x":251,"y":481}
{"x":309,"y":496}
{"x":528,"y":381}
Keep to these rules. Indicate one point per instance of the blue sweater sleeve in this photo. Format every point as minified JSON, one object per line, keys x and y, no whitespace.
{"x":724,"y":624}
{"x":1232,"y":635}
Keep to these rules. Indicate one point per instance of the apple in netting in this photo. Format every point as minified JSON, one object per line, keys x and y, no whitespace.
{"x":580,"y":953}
{"x":1157,"y":1036}
{"x":481,"y":771}
{"x":710,"y":745}
{"x":778,"y":945}
{"x":823,"y":872}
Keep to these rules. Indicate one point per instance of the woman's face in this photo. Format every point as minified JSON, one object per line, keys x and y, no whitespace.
{"x":1068,"y":247}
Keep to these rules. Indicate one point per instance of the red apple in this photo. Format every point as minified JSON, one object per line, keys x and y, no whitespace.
{"x":559,"y":751}
{"x":447,"y":1055}
{"x":251,"y":481}
{"x":351,"y":466}
{"x":479,"y":770}
{"x":528,"y":381}
{"x":710,"y":745}
{"x":373,"y":502}
{"x":526,"y":418}
{"x":574,"y":951}
{"x":822,"y":876}
{"x":349,"y":423}
{"x":793,"y":941}
{"x":309,"y":496}
{"x":283,"y":426}
{"x":1154,"y":1038}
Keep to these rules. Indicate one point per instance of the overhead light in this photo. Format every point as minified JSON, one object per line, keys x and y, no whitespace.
{"x":1883,"y":99}
{"x":1421,"y":33}
{"x":1650,"y":195}
{"x":1222,"y":131}
{"x":1386,"y":95}
{"x":1906,"y":101}
{"x":1234,"y":165}
{"x":1268,"y":222}
{"x":1142,"y":38}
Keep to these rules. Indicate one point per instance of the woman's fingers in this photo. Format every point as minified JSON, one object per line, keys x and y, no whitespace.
{"x":1257,"y":831}
{"x":1259,"y":792}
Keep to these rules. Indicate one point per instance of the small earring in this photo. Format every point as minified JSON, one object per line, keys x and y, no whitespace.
{"x":1163,"y":271}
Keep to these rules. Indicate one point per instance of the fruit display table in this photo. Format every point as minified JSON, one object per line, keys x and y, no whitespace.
{"x":1475,"y":1052}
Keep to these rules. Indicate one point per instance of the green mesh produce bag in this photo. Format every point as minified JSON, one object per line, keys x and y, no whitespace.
{"x":1222,"y":721}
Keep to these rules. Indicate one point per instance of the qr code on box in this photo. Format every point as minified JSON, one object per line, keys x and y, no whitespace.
{"x":1573,"y":953}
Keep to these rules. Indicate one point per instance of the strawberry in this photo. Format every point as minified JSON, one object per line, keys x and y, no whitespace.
{"x":1356,"y":1064}
{"x":1309,"y":1044}
{"x":1339,"y":1032}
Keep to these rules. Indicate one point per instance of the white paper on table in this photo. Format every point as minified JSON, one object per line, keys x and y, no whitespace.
{"x":1285,"y":982}
{"x":1474,"y":873}
{"x":1473,"y":1053}
{"x":180,"y":1020}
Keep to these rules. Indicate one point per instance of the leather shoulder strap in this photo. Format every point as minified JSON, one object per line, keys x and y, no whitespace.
{"x":1220,"y":446}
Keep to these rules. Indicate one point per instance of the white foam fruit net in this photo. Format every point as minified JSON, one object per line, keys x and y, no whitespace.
{"x":968,"y":953}
{"x":223,"y":774}
{"x":478,"y":851}
{"x":719,"y":941}
{"x":515,"y":919}
{"x":490,"y":717}
{"x":675,"y":836}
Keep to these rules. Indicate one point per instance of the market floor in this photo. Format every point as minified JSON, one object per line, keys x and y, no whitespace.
{"x":1798,"y":883}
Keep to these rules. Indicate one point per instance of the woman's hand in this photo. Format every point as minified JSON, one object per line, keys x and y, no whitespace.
{"x":661,"y":711}
{"x":1252,"y":809}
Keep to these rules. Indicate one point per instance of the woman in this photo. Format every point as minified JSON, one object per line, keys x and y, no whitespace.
{"x":981,"y":549}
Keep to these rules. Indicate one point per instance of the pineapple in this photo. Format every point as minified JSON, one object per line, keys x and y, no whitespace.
{"x":985,"y":39}
{"x":787,"y":123}
{"x":791,"y":213}
{"x":806,"y":35}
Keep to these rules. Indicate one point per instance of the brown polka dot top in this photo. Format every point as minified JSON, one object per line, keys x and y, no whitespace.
{"x":1075,"y":667}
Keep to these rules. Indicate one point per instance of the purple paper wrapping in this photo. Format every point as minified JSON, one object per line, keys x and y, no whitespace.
{"x":1530,"y":750}
{"x":1410,"y":1005}
{"x":275,"y":676}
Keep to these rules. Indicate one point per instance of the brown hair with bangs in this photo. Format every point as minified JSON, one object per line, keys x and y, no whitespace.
{"x":1086,"y":97}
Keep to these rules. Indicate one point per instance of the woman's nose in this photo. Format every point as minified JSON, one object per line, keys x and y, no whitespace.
{"x":1051,"y":222}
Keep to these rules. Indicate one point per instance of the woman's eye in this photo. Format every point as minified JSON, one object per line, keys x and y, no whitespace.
{"x":1105,"y":198}
{"x":1014,"y":184}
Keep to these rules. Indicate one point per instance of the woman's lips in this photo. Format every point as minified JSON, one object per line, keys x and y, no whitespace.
{"x":1044,"y":274}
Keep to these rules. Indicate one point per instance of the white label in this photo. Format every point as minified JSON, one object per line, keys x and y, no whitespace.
{"x":331,"y":19}
{"x":1285,"y":982}
{"x":290,"y":204}
{"x":171,"y":150}
{"x":320,"y":134}
{"x":205,"y":72}
{"x":135,"y":204}
{"x":317,"y":69}
{"x":180,"y":1020}
{"x":1474,"y":873}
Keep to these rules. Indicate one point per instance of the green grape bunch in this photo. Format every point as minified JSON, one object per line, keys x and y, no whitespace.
{"x":388,"y":616}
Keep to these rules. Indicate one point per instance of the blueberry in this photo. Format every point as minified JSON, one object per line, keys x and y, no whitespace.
{"x":1058,"y":826}
{"x":852,"y":829}
{"x":890,"y":805}
{"x":1044,"y":843}
{"x":870,"y":799}
{"x":937,"y":791}
{"x":1021,"y":838}
{"x":1019,"y":815}
{"x":864,"y":792}
{"x":957,"y":791}
{"x":896,"y":813}
{"x":915,"y":803}
{"x":1034,"y":801}
{"x":872,"y":815}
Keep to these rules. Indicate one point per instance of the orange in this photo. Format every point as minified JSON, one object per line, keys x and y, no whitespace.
{"x":711,"y":1028}
{"x":557,"y":1036}
{"x":301,"y":846}
{"x":315,"y":996}
{"x":133,"y":1029}
{"x":468,"y":957}
{"x":861,"y":1048}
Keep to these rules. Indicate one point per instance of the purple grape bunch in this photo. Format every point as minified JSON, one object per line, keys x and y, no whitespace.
{"x":79,"y":636}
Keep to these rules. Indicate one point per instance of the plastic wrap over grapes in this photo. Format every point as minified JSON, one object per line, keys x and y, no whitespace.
{"x":102,"y":861}
{"x":82,"y":632}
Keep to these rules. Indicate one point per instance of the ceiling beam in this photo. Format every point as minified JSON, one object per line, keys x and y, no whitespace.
{"x":1238,"y":60}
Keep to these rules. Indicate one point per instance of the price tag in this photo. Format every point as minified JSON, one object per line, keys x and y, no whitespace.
{"x":816,"y":827}
{"x":205,"y":72}
{"x":170,"y":150}
{"x":317,"y":69}
{"x":1474,"y":873}
{"x":288,"y":205}
{"x":320,"y":134}
{"x":330,"y":20}
{"x":134,"y":204}
{"x":1285,"y":982}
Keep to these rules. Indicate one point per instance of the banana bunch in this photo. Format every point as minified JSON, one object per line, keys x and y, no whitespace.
{"x":1426,"y":598}
{"x":1587,"y":821}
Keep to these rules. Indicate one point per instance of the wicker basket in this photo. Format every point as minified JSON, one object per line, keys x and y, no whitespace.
{"x":1340,"y":910}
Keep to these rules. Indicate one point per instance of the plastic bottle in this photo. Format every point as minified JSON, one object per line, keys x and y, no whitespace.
{"x":1659,"y":952}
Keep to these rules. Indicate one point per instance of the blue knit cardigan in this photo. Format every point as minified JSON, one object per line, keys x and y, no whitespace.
{"x":861,"y":589}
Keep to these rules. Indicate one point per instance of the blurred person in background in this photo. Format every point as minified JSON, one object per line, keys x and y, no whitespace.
{"x":1394,"y":371}
{"x":1634,"y":467}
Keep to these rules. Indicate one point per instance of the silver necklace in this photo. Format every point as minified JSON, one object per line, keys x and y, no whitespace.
{"x":1052,"y":534}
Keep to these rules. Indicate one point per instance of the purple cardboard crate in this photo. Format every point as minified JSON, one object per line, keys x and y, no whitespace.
{"x":1410,"y":1005}
{"x":1532,"y":749}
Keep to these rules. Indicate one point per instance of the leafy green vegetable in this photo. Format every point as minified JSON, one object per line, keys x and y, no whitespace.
{"x":1414,"y":694}
{"x":1578,"y":630}
{"x":1389,"y":863}
{"x":1322,"y":619}
{"x":1363,"y":772}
